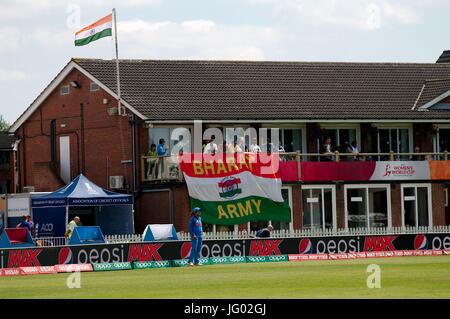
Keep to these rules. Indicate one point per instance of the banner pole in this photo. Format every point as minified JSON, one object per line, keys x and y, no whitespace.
{"x":119,"y":107}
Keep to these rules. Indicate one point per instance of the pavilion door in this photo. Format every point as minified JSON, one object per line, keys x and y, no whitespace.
{"x":416,"y":205}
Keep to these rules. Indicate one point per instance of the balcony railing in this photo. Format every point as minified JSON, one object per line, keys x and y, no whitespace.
{"x":166,"y":168}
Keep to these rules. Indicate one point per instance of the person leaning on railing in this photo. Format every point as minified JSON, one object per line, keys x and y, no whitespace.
{"x":151,"y":162}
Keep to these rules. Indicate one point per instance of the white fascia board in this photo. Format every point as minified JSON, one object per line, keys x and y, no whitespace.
{"x":54,"y":84}
{"x":434,"y":101}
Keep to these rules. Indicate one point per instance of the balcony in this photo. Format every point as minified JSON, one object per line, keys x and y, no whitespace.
{"x":305,"y":167}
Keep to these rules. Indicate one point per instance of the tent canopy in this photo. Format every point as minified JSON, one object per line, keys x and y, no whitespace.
{"x":81,"y":192}
{"x":113,"y":211}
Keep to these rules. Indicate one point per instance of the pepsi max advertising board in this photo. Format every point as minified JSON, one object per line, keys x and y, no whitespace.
{"x":171,"y":250}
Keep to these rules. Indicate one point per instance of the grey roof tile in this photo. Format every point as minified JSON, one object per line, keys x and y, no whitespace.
{"x":242,"y":90}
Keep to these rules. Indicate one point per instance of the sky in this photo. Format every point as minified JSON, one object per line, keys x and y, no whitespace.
{"x":37,"y":36}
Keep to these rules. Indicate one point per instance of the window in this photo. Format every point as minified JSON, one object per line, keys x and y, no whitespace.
{"x":291,"y":138}
{"x":416,"y":205}
{"x":341,"y":136}
{"x":368,"y":206}
{"x":397,"y":140}
{"x":442,"y":140}
{"x":319,"y":208}
{"x":5,"y":160}
{"x":166,"y":133}
{"x":65,"y":90}
{"x":4,"y":189}
{"x":94,"y":87}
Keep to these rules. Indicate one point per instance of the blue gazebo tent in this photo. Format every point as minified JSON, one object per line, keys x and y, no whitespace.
{"x":114,"y":214}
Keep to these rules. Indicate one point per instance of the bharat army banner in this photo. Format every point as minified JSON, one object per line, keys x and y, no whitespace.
{"x":235,"y":188}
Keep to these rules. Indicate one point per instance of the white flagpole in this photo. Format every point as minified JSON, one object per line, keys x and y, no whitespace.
{"x":119,"y":107}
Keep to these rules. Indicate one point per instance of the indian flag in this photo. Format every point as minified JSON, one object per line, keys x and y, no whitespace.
{"x":234,"y":190}
{"x":97,"y":30}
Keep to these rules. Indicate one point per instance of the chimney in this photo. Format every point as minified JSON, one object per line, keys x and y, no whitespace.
{"x":445,"y":57}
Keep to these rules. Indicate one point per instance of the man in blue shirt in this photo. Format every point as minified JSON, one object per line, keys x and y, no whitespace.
{"x":196,"y":232}
{"x":161,"y":152}
{"x":24,"y":223}
{"x":161,"y":149}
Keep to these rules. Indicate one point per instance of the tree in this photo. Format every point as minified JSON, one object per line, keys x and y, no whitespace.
{"x":4,"y":125}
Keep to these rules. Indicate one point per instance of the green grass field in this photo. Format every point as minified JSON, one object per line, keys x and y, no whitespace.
{"x":404,"y":277}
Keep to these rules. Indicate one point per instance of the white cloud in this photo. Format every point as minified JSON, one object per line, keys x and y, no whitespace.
{"x":359,"y":14}
{"x":196,"y":39}
{"x":13,"y":75}
{"x":11,"y":10}
{"x":9,"y":39}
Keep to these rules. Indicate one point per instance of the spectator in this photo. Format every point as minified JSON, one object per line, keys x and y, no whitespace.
{"x":71,"y":226}
{"x":353,"y":148}
{"x":161,"y":152}
{"x":327,"y":148}
{"x":196,"y":232}
{"x":269,"y":147}
{"x":240,"y":145}
{"x":417,"y":157}
{"x":31,"y":223}
{"x":152,"y":161}
{"x":161,"y":149}
{"x":254,"y":147}
{"x":24,"y":224}
{"x":264,"y":232}
{"x":211,"y":147}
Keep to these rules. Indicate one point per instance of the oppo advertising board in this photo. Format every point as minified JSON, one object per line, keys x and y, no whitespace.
{"x":172,"y":250}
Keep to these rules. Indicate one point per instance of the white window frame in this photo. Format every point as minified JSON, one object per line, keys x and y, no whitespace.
{"x":333,"y":199}
{"x":430,"y":199}
{"x":366,"y":187}
{"x":400,"y":126}
{"x":189,"y":127}
{"x":437,"y":137}
{"x":348,"y":126}
{"x":301,"y":127}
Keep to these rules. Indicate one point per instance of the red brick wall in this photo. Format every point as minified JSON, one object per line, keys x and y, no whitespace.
{"x":297,"y":218}
{"x":396,"y":206}
{"x":106,"y":138}
{"x":340,"y":207}
{"x":154,"y":208}
{"x":438,"y":202}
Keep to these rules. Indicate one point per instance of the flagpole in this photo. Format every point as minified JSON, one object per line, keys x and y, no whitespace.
{"x":119,"y":107}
